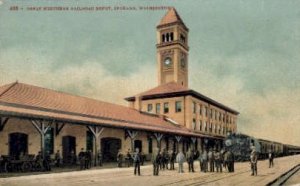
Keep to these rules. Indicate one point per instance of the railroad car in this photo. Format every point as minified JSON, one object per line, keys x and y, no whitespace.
{"x":240,"y":145}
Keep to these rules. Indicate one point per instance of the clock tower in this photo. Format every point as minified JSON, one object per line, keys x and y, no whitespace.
{"x":172,"y":49}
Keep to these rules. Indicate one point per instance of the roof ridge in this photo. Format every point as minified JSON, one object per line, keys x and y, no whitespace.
{"x":74,"y":95}
{"x":159,"y":86}
{"x":8,"y":88}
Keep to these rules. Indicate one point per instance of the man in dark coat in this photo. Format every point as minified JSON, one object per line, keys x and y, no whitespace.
{"x":128,"y":158}
{"x":190,"y":160}
{"x":155,"y":161}
{"x":230,"y":161}
{"x":137,"y":161}
{"x":119,"y":158}
{"x":172,"y":159}
{"x":211,"y":160}
{"x":82,"y":158}
{"x":39,"y":161}
{"x":57,"y":158}
{"x":271,"y":159}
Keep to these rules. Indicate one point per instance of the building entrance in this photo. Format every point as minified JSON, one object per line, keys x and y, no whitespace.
{"x":18,"y":144}
{"x":109,"y":148}
{"x":69,"y":149}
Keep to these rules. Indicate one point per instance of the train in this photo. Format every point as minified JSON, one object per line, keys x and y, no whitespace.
{"x":241,"y":145}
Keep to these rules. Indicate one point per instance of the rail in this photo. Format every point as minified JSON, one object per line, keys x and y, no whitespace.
{"x":284,"y":177}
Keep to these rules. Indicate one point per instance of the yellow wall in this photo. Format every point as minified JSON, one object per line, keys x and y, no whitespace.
{"x":186,"y":116}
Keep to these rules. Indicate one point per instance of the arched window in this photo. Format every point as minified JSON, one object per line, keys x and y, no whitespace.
{"x":167,"y":37}
{"x":171,"y":36}
{"x":200,"y":125}
{"x":163,"y":38}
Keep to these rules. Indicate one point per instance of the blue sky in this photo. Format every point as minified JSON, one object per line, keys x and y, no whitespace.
{"x":244,"y":54}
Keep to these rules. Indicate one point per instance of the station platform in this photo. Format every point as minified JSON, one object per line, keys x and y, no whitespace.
{"x":124,"y":176}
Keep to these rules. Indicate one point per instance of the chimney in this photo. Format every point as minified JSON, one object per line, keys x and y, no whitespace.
{"x":138,"y":103}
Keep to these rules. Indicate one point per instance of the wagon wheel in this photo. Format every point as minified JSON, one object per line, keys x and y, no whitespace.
{"x":26,"y":167}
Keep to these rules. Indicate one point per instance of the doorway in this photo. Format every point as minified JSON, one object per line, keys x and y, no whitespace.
{"x":69,"y":149}
{"x":109,"y":148}
{"x":18,"y":144}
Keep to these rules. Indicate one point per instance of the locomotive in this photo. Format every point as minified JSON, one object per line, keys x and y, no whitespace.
{"x":242,"y":144}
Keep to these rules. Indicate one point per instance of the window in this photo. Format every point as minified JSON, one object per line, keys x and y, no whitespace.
{"x":163,"y":38}
{"x":182,"y":38}
{"x":167,"y":37}
{"x":205,"y":111}
{"x":178,"y":106}
{"x":194,"y":107}
{"x":89,"y":140}
{"x":216,"y":115}
{"x":194,"y":124}
{"x":150,"y":107}
{"x":157,"y":108}
{"x":166,"y":107}
{"x":171,"y":36}
{"x":49,"y":141}
{"x":200,"y":125}
{"x":200,"y":109}
{"x":211,"y":113}
{"x":205,"y":126}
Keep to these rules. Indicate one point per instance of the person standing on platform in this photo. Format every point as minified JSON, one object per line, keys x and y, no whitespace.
{"x":172,"y":159}
{"x":230,"y":161}
{"x":211,"y":160}
{"x":128,"y":158}
{"x":155,"y":161}
{"x":253,"y":162}
{"x":204,"y":160}
{"x":271,"y":159}
{"x":218,"y":161}
{"x":57,"y":158}
{"x":137,"y":161}
{"x":81,"y":157}
{"x":200,"y":161}
{"x":190,"y":160}
{"x":180,"y":158}
{"x":119,"y":158}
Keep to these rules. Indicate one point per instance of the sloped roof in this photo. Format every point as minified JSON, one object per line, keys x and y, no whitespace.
{"x":173,"y":89}
{"x":19,"y":99}
{"x":171,"y":17}
{"x":170,"y":87}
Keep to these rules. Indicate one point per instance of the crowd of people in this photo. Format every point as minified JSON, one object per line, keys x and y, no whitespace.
{"x":211,"y":161}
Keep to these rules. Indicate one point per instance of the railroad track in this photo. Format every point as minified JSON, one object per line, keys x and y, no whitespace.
{"x":201,"y":180}
{"x":284,"y":177}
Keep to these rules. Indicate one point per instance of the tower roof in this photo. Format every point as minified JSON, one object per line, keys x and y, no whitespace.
{"x":171,"y":17}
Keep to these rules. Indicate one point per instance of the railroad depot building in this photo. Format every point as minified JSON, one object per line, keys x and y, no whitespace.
{"x":169,"y":116}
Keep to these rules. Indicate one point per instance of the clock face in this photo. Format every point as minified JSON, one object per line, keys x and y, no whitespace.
{"x":168,"y":61}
